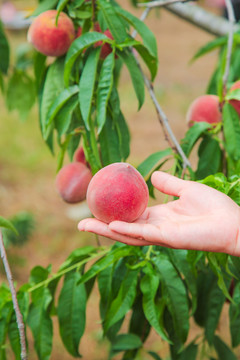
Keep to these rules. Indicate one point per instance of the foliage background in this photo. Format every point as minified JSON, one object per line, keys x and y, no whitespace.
{"x":27,"y":170}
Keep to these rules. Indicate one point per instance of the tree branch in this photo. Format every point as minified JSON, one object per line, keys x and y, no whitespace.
{"x":19,"y":318}
{"x":201,"y":18}
{"x":231,"y":18}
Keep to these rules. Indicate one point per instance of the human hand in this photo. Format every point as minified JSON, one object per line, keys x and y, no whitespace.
{"x":202,"y":218}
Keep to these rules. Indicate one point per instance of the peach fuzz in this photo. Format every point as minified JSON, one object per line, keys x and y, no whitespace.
{"x":72,"y":182}
{"x":49,"y":39}
{"x":117,"y":192}
{"x":204,"y":108}
{"x":235,"y":103}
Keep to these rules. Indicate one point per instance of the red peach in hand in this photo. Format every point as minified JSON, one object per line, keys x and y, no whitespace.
{"x":204,"y":108}
{"x":72,"y":182}
{"x":49,"y":39}
{"x":235,"y":103}
{"x":117,"y":192}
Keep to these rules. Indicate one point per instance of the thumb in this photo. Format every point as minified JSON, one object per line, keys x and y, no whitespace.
{"x":168,"y":184}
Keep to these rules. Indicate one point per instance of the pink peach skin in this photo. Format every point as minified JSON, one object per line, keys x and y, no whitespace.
{"x":49,"y":39}
{"x":117,"y":192}
{"x":204,"y":108}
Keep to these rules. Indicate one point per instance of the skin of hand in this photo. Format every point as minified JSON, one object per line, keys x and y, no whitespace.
{"x":202,"y":218}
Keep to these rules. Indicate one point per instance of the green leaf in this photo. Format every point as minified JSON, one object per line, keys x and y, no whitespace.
{"x":5,"y":316}
{"x":13,"y":331}
{"x":104,"y":89}
{"x":210,"y":301}
{"x":231,"y":128}
{"x":71,"y":312}
{"x":233,"y":94}
{"x":149,"y":60}
{"x":107,"y":260}
{"x":57,"y":105}
{"x":223,"y":350}
{"x":39,"y":66}
{"x":21,"y":93}
{"x":124,"y":342}
{"x":212,"y":45}
{"x":53,"y":86}
{"x":120,"y":124}
{"x":139,"y":324}
{"x":105,"y":289}
{"x":87,"y":84}
{"x":109,"y":143}
{"x":77,"y":256}
{"x":189,"y":353}
{"x":192,"y":135}
{"x":136,"y":75}
{"x":154,"y":355}
{"x":40,"y":323}
{"x":210,"y":156}
{"x":179,"y":259}
{"x":64,"y":117}
{"x":176,"y":294}
{"x":114,"y":23}
{"x":5,"y":51}
{"x":234,"y":316}
{"x":44,"y":6}
{"x":124,"y":300}
{"x":149,"y":286}
{"x":4,"y":223}
{"x":152,"y":162}
{"x":61,"y":5}
{"x":77,"y":47}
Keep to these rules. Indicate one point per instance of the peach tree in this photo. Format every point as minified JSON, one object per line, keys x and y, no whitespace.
{"x":144,"y":288}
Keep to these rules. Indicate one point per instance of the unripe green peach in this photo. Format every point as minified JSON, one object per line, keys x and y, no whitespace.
{"x":72,"y":182}
{"x":117,"y":192}
{"x":49,"y":39}
{"x":204,"y":108}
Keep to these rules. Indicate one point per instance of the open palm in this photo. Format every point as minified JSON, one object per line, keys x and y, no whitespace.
{"x":201,"y":218}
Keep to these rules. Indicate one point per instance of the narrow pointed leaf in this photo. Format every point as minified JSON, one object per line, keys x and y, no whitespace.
{"x":115,"y":25}
{"x":147,"y":35}
{"x":53,"y":86}
{"x":234,"y":316}
{"x":87,"y":84}
{"x":41,"y":324}
{"x":57,"y":105}
{"x":136,"y":75}
{"x":231,"y":128}
{"x":5,"y":51}
{"x":77,"y":47}
{"x":223,"y":351}
{"x":104,"y":89}
{"x":149,"y":286}
{"x":192,"y":135}
{"x":4,"y":223}
{"x":71,"y":312}
{"x":152,"y":162}
{"x":176,"y":294}
{"x":124,"y":300}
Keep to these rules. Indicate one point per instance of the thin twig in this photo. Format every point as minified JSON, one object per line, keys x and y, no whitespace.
{"x":173,"y":143}
{"x":159,"y":3}
{"x":232,"y":20}
{"x":19,"y":317}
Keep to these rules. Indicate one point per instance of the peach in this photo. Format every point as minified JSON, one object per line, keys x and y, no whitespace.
{"x":79,"y":156}
{"x":106,"y":48}
{"x":117,"y":192}
{"x":204,"y":108}
{"x":72,"y":182}
{"x":235,"y":103}
{"x":79,"y":32}
{"x":49,"y":39}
